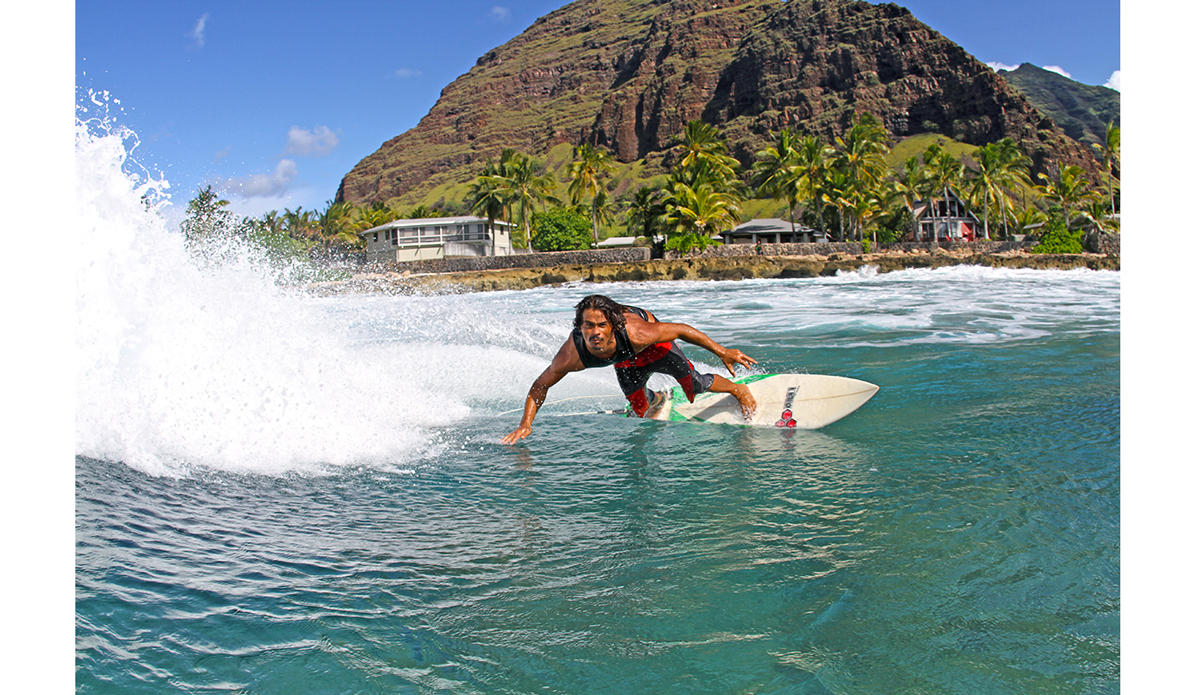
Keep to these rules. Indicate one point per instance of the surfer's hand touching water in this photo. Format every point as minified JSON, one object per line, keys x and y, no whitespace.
{"x":734,"y":356}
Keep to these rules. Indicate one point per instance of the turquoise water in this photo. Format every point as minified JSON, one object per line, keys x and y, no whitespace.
{"x":281,"y":494}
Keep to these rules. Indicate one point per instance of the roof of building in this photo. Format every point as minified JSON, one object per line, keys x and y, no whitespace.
{"x":434,"y":222}
{"x":617,"y":241}
{"x":920,"y":207}
{"x":768,"y":225}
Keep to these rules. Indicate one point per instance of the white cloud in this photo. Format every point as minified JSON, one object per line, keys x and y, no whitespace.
{"x":1114,"y":82}
{"x":500,"y":14}
{"x":198,"y":31}
{"x":404,"y":73}
{"x":316,"y":142}
{"x":1001,"y":66}
{"x":1055,"y":68}
{"x":270,"y":185}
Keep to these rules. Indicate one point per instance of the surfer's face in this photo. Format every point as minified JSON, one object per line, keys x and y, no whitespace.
{"x":597,"y":331}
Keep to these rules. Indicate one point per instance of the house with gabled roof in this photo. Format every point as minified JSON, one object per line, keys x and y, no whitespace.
{"x":772,"y":230}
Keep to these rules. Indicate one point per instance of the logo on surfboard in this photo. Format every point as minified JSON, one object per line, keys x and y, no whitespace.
{"x":785,"y":418}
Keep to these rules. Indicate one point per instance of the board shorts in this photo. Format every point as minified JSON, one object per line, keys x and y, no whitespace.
{"x":661,"y":358}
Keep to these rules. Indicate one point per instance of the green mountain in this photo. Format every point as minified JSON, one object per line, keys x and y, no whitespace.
{"x":1083,"y":111}
{"x":628,"y":75}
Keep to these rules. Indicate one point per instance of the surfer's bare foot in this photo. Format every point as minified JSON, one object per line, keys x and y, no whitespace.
{"x":749,"y":405}
{"x":656,"y":404}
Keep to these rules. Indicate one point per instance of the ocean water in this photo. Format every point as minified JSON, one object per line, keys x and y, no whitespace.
{"x":277,"y":493}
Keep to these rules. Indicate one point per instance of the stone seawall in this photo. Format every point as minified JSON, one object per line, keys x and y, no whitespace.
{"x":524,"y":260}
{"x":1094,"y":243}
{"x":738,"y":266}
{"x":1108,"y":244}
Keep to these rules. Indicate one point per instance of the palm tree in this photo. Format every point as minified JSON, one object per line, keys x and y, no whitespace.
{"x":776,"y":173}
{"x":861,"y":151}
{"x":585,"y":173}
{"x":812,"y":163}
{"x":864,"y":208}
{"x":1066,"y":190}
{"x":983,"y":184}
{"x":485,"y":198}
{"x":1110,"y":156}
{"x":1096,"y":214}
{"x":836,"y":191}
{"x":206,"y":218}
{"x":697,"y":213}
{"x":944,"y":172}
{"x":334,"y":225}
{"x":300,"y":224}
{"x":911,"y":186}
{"x":1027,"y":217}
{"x":1014,"y":165}
{"x":602,"y":211}
{"x":705,"y":156}
{"x":1001,"y":166}
{"x":271,"y":222}
{"x":860,"y":154}
{"x":646,"y":211}
{"x":423,"y":212}
{"x":370,"y":216}
{"x":521,"y":183}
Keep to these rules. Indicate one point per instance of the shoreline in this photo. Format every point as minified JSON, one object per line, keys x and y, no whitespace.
{"x":699,"y":268}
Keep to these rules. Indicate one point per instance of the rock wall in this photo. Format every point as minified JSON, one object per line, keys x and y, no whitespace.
{"x":1109,"y":244}
{"x":524,"y":260}
{"x":709,"y":268}
{"x":1103,"y":243}
{"x":788,"y":249}
{"x":856,"y":249}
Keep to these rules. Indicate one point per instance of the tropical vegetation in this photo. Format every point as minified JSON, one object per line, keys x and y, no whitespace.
{"x":561,"y":229}
{"x":849,"y":189}
{"x":846,"y":188}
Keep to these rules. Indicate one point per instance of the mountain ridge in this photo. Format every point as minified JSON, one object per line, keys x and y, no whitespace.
{"x":629,"y":74}
{"x":1083,"y":111}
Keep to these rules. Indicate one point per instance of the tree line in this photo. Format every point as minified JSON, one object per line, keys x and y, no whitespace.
{"x":845,"y":189}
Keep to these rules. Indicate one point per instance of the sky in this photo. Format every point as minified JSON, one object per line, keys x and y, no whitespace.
{"x":273,"y":102}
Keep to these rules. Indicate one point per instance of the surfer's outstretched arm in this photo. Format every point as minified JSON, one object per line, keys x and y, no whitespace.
{"x":647,"y":333}
{"x":565,"y":362}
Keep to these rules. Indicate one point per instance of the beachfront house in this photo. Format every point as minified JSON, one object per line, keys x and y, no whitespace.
{"x":945,"y":218}
{"x":437,"y":237}
{"x":772,"y":231}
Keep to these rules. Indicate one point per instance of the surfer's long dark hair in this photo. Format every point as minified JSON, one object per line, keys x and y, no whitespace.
{"x":614,"y":312}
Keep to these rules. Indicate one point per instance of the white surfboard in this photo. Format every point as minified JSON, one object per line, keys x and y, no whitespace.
{"x":799,"y":401}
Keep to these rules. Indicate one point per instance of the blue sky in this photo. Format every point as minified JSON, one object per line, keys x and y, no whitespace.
{"x":273,"y":102}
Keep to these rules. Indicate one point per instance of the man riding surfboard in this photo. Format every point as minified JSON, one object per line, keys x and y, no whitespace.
{"x":637,"y":345}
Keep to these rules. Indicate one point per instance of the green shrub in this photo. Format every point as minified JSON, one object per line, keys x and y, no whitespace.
{"x":1058,"y":239}
{"x":685,"y":242}
{"x":561,"y":229}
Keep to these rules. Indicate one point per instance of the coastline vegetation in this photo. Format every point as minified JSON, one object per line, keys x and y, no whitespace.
{"x":846,"y":189}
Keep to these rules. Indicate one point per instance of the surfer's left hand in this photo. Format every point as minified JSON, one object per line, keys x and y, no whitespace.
{"x":735,"y":356}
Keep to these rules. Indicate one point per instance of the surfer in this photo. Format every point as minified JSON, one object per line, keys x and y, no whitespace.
{"x":637,"y":344}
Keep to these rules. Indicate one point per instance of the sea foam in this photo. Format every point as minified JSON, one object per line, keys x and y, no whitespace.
{"x":181,"y":364}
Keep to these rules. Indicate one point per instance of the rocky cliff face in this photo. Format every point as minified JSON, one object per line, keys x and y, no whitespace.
{"x":629,"y":74}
